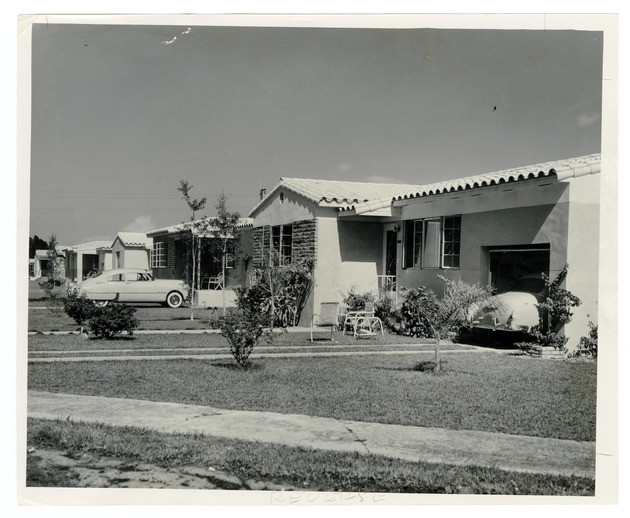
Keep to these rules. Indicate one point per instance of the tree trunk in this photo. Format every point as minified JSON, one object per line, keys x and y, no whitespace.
{"x":438,"y":363}
{"x":272,"y":309}
{"x":223,"y":253}
{"x":192,"y":280}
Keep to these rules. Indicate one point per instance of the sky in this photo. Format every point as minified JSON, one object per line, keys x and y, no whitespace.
{"x":122,"y":113}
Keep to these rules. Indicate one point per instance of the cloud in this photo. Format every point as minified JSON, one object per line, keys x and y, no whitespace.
{"x":588,"y":119}
{"x":140,"y":224}
{"x":344,"y":168}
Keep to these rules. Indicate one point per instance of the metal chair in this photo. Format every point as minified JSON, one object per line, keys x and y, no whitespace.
{"x":328,"y":316}
{"x":215,"y":283}
{"x":363,"y":323}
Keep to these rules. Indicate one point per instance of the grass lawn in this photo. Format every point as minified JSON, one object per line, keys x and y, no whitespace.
{"x":150,"y":316}
{"x":212,"y":341}
{"x":477,"y":391}
{"x":288,"y":467}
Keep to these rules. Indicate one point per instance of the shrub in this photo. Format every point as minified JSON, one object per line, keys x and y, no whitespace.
{"x":111,"y":320}
{"x":79,"y":308}
{"x":555,"y":312}
{"x":280,"y":293}
{"x":588,"y":344}
{"x":384,"y":308}
{"x":555,"y":309}
{"x":407,"y":321}
{"x":243,"y":330}
{"x":357,"y":301}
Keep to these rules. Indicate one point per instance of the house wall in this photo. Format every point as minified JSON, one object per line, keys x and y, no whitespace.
{"x":349,"y":258}
{"x":129,"y":257}
{"x":175,"y":258}
{"x":533,"y":212}
{"x":563,"y":214}
{"x":104,"y":260}
{"x":583,"y":255}
{"x":293,"y":209}
{"x":71,"y":265}
{"x":276,"y":212}
{"x":78,"y":263}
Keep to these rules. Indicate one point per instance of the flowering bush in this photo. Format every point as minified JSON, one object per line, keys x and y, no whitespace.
{"x":243,"y":330}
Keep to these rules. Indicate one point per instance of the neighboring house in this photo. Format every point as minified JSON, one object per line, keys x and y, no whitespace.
{"x":40,"y":265}
{"x":488,"y":229}
{"x":84,"y":258}
{"x":130,"y":250}
{"x":104,"y":254}
{"x":168,"y":255}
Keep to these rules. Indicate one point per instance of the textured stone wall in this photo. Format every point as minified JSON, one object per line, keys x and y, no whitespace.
{"x":304,"y":241}
{"x":170,"y":257}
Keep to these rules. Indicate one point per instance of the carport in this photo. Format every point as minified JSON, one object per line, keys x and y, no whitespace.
{"x":509,"y":264}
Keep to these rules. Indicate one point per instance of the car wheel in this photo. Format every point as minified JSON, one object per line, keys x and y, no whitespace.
{"x":174,"y":299}
{"x":100,"y":303}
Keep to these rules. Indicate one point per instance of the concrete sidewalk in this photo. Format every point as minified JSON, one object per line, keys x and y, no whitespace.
{"x":507,"y":452}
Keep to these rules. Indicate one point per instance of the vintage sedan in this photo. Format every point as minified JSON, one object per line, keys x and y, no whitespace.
{"x":132,"y":285}
{"x":514,"y":310}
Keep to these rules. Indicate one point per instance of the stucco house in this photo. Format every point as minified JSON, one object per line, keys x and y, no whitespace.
{"x":83,"y":258}
{"x":40,"y":265}
{"x":131,"y":250}
{"x":168,"y":260}
{"x":487,"y":229}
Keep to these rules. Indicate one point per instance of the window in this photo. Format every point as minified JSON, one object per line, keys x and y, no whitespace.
{"x":282,"y":243}
{"x":158,"y":255}
{"x":451,"y":241}
{"x":433,"y":243}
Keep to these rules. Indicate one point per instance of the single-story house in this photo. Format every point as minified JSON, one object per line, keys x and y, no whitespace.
{"x":131,"y":250}
{"x":168,"y":258}
{"x":40,"y":265}
{"x":488,"y":229}
{"x":104,"y":258}
{"x":84,"y":258}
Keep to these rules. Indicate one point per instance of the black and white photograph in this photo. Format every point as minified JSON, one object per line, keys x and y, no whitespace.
{"x":317,"y":260}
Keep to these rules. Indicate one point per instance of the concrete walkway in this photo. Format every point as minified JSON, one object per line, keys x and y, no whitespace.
{"x":508,"y":452}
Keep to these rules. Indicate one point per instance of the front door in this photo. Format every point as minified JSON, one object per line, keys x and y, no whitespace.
{"x":390,"y":255}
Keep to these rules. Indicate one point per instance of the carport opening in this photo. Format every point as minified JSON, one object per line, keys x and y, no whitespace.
{"x":511,"y":266}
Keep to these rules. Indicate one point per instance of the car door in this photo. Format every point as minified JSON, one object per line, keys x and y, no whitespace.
{"x":135,"y":288}
{"x":107,"y":289}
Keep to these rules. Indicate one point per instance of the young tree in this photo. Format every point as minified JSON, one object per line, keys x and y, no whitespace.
{"x":53,"y":301}
{"x":450,"y":312}
{"x":193,"y":227}
{"x":226,"y":232}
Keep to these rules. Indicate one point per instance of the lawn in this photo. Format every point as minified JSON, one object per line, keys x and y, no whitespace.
{"x":212,"y":341}
{"x":150,"y":316}
{"x":477,"y":391}
{"x":252,"y":465}
{"x":481,"y":391}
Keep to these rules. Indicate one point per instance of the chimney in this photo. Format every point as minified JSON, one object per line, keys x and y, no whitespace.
{"x":263,"y":193}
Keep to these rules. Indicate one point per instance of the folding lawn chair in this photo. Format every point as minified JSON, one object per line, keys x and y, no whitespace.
{"x":327,"y":317}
